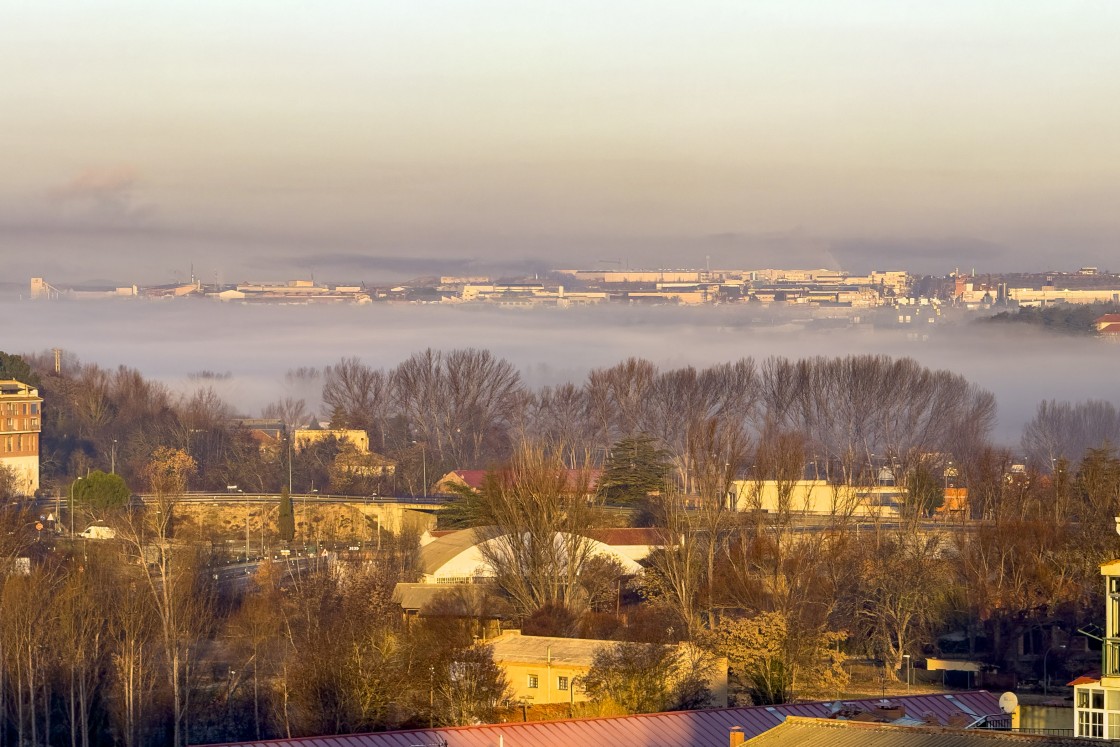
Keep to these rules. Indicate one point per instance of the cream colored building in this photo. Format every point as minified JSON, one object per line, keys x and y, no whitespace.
{"x":1050,"y":295}
{"x":20,"y":425}
{"x":460,"y":557}
{"x":1096,"y":700}
{"x":815,"y":497}
{"x":548,"y":669}
{"x":304,"y":437}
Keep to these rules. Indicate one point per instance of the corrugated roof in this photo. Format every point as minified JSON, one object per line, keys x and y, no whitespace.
{"x":678,"y":729}
{"x":462,"y":599}
{"x":511,"y":646}
{"x":807,"y":732}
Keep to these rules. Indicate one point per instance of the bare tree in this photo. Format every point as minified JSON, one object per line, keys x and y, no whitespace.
{"x":458,"y":404}
{"x":535,"y":513}
{"x":1060,"y":430}
{"x":288,"y":410}
{"x":357,"y":396}
{"x":179,"y":594}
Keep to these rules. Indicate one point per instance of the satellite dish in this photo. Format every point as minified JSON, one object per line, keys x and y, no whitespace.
{"x":1008,"y":702}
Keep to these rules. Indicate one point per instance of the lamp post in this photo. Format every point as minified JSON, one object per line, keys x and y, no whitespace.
{"x":113,"y":458}
{"x":72,"y":505}
{"x":424,"y":464}
{"x":909,"y":668}
{"x":1045,"y":675}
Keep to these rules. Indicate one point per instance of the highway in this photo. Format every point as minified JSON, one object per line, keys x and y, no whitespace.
{"x":238,"y":576}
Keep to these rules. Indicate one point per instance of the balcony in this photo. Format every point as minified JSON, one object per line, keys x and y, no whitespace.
{"x":1110,"y":658}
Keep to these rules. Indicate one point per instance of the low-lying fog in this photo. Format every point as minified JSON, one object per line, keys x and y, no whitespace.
{"x":257,"y":345}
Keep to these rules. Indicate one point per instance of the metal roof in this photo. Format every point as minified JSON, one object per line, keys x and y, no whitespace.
{"x":798,"y":732}
{"x":676,"y":729}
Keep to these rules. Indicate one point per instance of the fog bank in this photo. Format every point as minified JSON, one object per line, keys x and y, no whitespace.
{"x":257,"y":345}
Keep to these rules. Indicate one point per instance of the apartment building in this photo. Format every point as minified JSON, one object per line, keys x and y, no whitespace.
{"x":20,"y":424}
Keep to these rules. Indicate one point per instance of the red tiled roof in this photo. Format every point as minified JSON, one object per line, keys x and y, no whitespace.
{"x":472,"y":477}
{"x":678,"y":729}
{"x":1083,"y":680}
{"x":1111,"y":327}
{"x":1107,"y":318}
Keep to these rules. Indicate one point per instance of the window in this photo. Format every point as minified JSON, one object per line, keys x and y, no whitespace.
{"x":534,"y":682}
{"x":1090,"y":724}
{"x":561,"y":683}
{"x":1091,"y":715}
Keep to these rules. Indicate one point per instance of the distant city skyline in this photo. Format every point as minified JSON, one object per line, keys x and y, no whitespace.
{"x":375,"y":140}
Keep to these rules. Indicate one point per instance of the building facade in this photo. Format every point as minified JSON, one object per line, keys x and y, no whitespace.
{"x":20,"y":424}
{"x":1096,"y":702}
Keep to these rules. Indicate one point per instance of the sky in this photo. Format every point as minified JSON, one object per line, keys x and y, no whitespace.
{"x":381,"y":140}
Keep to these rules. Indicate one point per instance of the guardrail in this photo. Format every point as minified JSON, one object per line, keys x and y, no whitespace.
{"x":199,"y":496}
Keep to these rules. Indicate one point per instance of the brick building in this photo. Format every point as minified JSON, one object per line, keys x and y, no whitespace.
{"x":20,"y":423}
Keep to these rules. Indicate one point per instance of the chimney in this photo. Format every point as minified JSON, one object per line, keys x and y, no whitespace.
{"x":737,"y":736}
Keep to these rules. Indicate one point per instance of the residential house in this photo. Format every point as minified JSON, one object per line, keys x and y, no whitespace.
{"x":1109,"y":324}
{"x":548,"y":669}
{"x":1096,"y":698}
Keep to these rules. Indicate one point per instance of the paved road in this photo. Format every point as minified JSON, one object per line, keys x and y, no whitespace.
{"x":238,"y":576}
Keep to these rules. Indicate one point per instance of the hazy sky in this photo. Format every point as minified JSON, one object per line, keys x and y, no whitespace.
{"x":360,"y":139}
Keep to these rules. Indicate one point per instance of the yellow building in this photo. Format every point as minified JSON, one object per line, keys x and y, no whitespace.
{"x":816,"y":497}
{"x":548,"y":669}
{"x":304,"y":437}
{"x":1096,"y":701}
{"x":20,"y":424}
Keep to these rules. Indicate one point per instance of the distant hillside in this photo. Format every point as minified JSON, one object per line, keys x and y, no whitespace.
{"x":1067,"y":319}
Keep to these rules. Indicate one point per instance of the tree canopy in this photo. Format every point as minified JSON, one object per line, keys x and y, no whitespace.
{"x":101,"y":492}
{"x":13,"y":366}
{"x":635,"y":468}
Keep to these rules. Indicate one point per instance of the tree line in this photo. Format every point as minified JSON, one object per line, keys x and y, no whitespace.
{"x":786,"y":606}
{"x":466,"y":409}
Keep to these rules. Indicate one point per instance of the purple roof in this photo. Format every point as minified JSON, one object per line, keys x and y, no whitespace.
{"x":676,"y":729}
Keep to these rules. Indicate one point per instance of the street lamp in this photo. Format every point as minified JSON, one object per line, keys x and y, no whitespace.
{"x":76,"y":480}
{"x":909,"y":669}
{"x":424,"y":462}
{"x":1045,"y":675}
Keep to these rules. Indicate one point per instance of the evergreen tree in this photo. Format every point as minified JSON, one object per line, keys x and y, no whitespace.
{"x":635,"y":468}
{"x":101,"y":492}
{"x":287,"y":519}
{"x":15,"y":367}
